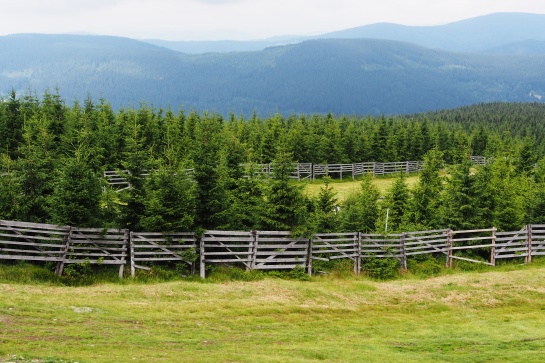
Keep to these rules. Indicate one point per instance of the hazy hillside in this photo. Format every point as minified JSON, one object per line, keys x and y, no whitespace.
{"x":121,"y":69}
{"x":523,"y":47}
{"x":340,"y":76}
{"x":478,"y":34}
{"x":223,"y":46}
{"x":470,"y":35}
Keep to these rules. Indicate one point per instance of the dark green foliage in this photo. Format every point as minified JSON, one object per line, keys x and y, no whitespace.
{"x":210,"y":172}
{"x":169,"y":203}
{"x":425,"y":265}
{"x":75,"y":199}
{"x":381,"y":268}
{"x":395,"y":206}
{"x":459,"y":211}
{"x":51,"y":151}
{"x":245,"y":205}
{"x":508,"y":189}
{"x":425,"y":201}
{"x":360,"y":210}
{"x":9,"y":190}
{"x":326,"y":210}
{"x":526,"y":157}
{"x":136,"y":161}
{"x":285,"y":206}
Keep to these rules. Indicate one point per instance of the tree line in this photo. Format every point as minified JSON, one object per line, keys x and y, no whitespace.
{"x":53,"y":156}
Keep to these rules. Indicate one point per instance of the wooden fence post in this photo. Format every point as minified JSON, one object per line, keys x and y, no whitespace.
{"x":529,"y":236}
{"x":254,"y":249}
{"x":358,"y":257}
{"x":131,"y":255}
{"x":309,"y":256}
{"x":202,"y":272}
{"x":403,"y":252}
{"x":126,"y":241}
{"x":449,"y":258}
{"x":493,"y":248}
{"x":67,"y":240}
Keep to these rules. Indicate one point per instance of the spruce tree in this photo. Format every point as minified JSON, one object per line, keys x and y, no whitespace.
{"x":169,"y":201}
{"x":459,"y":211}
{"x":10,"y":190}
{"x":75,"y":200}
{"x":425,"y":201}
{"x":286,"y":206}
{"x":325,"y":215}
{"x":396,"y":204}
{"x":360,"y":210}
{"x":210,"y":172}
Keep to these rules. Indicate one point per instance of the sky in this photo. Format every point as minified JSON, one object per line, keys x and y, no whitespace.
{"x":236,"y":19}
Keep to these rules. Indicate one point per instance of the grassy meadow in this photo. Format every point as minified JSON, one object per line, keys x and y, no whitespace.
{"x":345,"y":187}
{"x":486,"y":316}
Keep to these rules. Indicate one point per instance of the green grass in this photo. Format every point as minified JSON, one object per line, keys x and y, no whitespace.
{"x":346,"y":187}
{"x":490,"y":315}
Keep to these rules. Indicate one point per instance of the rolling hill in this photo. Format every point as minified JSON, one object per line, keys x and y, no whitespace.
{"x":480,"y":34}
{"x":342,"y":76}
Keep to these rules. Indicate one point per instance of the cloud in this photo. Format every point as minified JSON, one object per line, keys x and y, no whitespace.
{"x":236,"y":19}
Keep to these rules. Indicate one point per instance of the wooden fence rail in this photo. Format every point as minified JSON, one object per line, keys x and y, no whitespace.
{"x":257,"y":250}
{"x":154,"y":247}
{"x":305,"y":171}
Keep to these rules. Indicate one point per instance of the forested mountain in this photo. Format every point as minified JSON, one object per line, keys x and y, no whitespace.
{"x":350,"y":76}
{"x":499,"y":30}
{"x":471,"y":35}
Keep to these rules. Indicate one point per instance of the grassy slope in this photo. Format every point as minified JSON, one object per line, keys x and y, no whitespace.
{"x":344,"y":188}
{"x":465,"y":317}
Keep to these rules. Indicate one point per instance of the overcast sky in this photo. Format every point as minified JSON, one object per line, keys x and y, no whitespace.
{"x":236,"y":19}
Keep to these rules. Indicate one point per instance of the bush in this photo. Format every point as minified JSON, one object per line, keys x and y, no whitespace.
{"x":232,"y":273}
{"x":381,"y":268}
{"x":425,"y":265}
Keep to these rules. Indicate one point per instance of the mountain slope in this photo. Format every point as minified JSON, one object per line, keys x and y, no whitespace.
{"x":341,"y":76}
{"x":471,"y":35}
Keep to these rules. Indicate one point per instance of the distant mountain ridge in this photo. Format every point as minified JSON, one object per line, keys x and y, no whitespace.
{"x":342,"y":76}
{"x":478,"y":34}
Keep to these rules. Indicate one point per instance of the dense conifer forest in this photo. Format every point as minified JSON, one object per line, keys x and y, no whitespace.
{"x":53,"y":156}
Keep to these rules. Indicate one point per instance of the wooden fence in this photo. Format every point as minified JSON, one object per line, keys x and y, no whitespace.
{"x":63,"y":244}
{"x":154,"y":247}
{"x":257,"y":250}
{"x":306,"y":171}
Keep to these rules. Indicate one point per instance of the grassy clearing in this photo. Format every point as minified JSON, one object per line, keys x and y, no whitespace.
{"x":346,"y":187}
{"x":464,"y":317}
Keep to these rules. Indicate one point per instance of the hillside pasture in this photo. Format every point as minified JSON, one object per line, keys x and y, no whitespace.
{"x":346,"y":187}
{"x":464,"y":317}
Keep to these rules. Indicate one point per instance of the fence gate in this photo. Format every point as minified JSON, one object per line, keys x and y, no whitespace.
{"x":33,"y":242}
{"x":98,"y":246}
{"x":279,"y":250}
{"x":331,"y":246}
{"x":426,"y":242}
{"x":379,"y":245}
{"x":162,"y":247}
{"x":513,"y":245}
{"x":482,"y":241}
{"x":537,"y":240}
{"x":227,"y":247}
